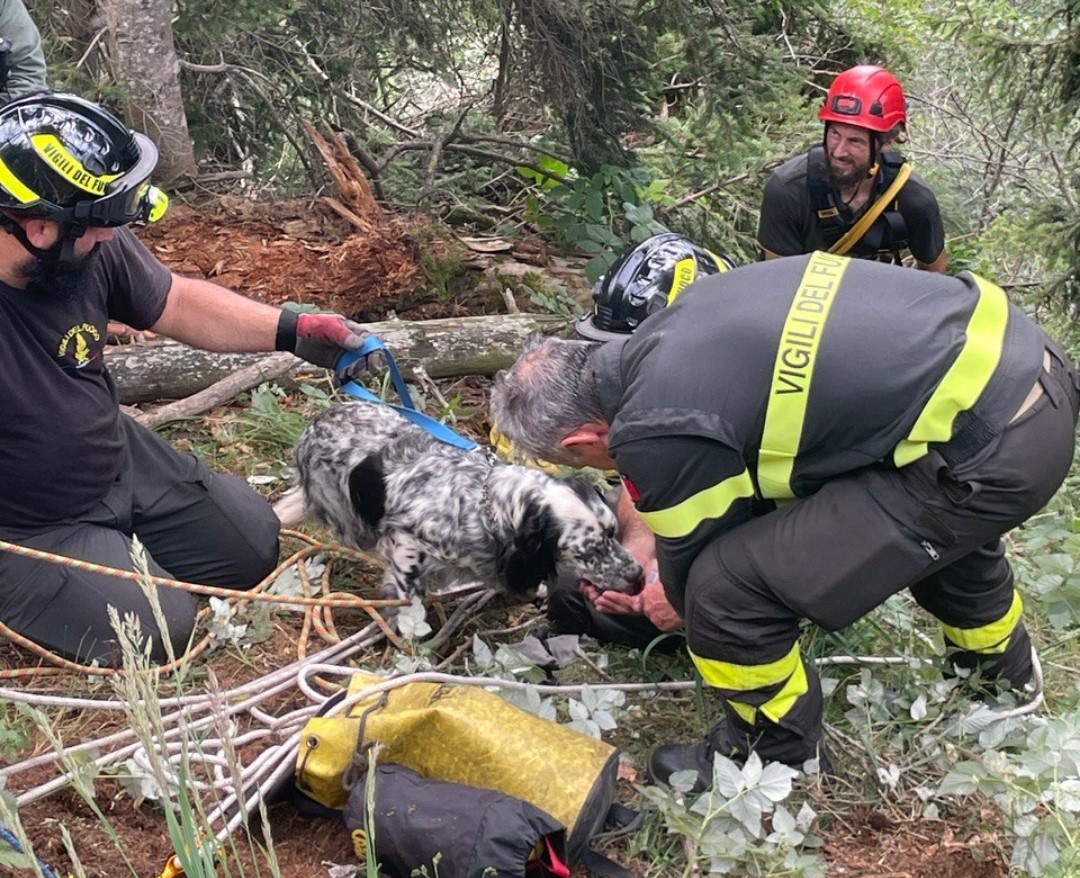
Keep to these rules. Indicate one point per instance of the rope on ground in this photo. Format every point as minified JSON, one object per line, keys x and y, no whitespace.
{"x":239,"y":789}
{"x":317,"y":607}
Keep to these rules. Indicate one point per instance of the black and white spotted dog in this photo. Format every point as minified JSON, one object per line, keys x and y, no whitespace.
{"x":436,"y":512}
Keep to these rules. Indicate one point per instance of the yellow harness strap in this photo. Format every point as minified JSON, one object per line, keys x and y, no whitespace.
{"x":853,"y":234}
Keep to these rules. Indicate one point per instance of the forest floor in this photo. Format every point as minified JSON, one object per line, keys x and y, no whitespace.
{"x":291,"y":252}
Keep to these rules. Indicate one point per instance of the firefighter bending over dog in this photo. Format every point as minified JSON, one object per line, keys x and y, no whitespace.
{"x":909,"y":418}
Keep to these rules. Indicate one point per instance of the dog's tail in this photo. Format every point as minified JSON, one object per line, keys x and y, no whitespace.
{"x":292,"y":508}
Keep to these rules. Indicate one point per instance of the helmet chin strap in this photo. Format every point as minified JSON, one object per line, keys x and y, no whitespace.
{"x":59,"y":255}
{"x":875,"y":148}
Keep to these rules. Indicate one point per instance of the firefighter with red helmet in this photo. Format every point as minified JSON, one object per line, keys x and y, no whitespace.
{"x":853,"y":193}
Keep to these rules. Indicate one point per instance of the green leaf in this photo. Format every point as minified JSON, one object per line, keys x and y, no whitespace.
{"x":594,"y":205}
{"x":638,"y":214}
{"x":918,"y":709}
{"x":962,"y":780}
{"x":776,"y":781}
{"x":596,"y":266}
{"x":728,"y":779}
{"x":599,"y":233}
{"x":14,"y":859}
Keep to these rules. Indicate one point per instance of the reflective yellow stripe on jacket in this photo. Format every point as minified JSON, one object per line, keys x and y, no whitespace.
{"x":681,"y":519}
{"x":967,"y":376}
{"x":793,"y":372}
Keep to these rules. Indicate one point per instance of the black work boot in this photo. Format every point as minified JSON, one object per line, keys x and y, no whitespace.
{"x":670,"y":758}
{"x":772,"y":743}
{"x":1015,"y":664}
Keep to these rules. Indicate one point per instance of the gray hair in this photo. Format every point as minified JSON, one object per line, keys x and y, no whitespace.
{"x":547,"y":394}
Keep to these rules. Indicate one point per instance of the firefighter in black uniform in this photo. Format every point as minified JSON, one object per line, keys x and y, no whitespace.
{"x":853,"y":193}
{"x":643,"y":281}
{"x":836,"y":431}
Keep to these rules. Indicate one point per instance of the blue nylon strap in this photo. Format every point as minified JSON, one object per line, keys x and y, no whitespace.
{"x":436,"y":428}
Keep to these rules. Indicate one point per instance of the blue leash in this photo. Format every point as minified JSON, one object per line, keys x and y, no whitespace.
{"x":408,"y":408}
{"x":11,"y":839}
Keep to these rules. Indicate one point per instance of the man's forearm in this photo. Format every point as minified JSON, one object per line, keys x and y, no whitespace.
{"x":208,"y":316}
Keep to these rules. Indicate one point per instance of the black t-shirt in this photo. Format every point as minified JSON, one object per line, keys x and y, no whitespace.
{"x":60,"y":440}
{"x":788,"y":226}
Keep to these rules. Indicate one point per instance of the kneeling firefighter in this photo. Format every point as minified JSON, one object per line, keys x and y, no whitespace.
{"x":806,"y":437}
{"x":643,"y":281}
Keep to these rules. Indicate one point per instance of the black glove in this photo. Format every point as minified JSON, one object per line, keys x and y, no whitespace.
{"x":321,"y":339}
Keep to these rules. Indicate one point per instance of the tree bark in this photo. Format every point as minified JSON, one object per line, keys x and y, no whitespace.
{"x":164,"y":369}
{"x":143,"y":58}
{"x":269,"y":368}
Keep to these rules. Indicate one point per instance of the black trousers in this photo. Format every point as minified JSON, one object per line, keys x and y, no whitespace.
{"x":195,"y":524}
{"x":834,"y":556}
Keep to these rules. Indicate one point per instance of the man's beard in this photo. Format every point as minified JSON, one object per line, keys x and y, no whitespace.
{"x":846,"y":177}
{"x":55,"y":277}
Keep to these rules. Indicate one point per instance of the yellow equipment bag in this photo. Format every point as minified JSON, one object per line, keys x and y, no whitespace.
{"x":466,"y":735}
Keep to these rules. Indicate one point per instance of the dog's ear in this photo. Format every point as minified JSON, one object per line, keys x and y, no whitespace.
{"x":367,"y":490}
{"x":528,"y":558}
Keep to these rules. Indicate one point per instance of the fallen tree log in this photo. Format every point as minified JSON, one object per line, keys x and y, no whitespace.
{"x":269,"y":368}
{"x":164,"y":369}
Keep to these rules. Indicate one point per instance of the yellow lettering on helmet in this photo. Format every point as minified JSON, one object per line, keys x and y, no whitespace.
{"x":49,"y":147}
{"x":685,"y":272}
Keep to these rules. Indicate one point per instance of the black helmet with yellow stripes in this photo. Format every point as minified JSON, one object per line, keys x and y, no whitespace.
{"x":644,"y":280}
{"x":67,"y":159}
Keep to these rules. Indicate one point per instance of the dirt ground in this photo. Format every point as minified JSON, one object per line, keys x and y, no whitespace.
{"x":304,"y":253}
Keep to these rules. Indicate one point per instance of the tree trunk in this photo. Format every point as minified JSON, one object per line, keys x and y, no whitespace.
{"x":164,"y":369}
{"x":143,"y":58}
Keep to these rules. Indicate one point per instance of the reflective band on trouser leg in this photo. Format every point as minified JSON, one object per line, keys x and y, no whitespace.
{"x":793,"y":371}
{"x":967,"y":377}
{"x":992,"y":638}
{"x":742,"y":680}
{"x":681,"y":519}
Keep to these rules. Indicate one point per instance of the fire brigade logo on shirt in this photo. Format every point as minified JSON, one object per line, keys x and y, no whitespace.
{"x":81,"y":343}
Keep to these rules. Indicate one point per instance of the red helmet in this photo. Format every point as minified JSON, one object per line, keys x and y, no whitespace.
{"x":866,"y":96}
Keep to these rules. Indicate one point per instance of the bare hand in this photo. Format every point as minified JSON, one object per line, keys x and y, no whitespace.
{"x":650,"y":602}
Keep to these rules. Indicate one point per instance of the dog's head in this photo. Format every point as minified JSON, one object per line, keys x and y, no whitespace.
{"x":568,"y":525}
